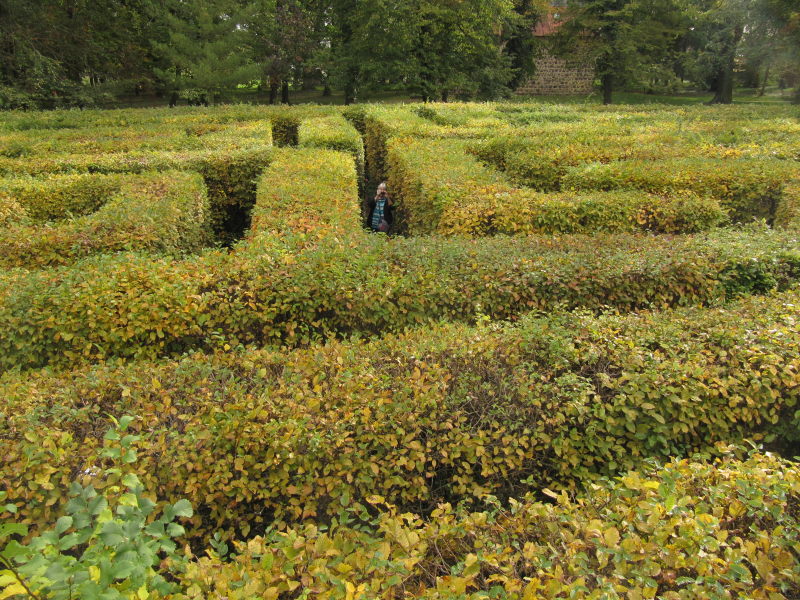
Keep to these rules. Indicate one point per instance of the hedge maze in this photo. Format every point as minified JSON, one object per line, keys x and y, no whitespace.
{"x":499,"y":401}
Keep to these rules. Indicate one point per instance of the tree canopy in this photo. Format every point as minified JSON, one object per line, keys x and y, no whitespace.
{"x":73,"y":52}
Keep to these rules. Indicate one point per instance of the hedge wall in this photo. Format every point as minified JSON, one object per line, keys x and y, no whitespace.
{"x":436,"y":415}
{"x":441,"y":189}
{"x":333,"y":133}
{"x":687,"y":530}
{"x":164,"y":212}
{"x":12,"y":212}
{"x":165,"y":136}
{"x":749,"y":189}
{"x":316,"y":274}
{"x":304,"y":196}
{"x":54,"y":197}
{"x":229,"y":176}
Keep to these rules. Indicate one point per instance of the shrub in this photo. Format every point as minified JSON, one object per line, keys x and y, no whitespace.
{"x":686,"y":530}
{"x":229,"y":176}
{"x":430,"y":178}
{"x":309,"y":285}
{"x":304,"y":195}
{"x":12,"y":213}
{"x":285,"y":130}
{"x":356,"y":114}
{"x":333,"y":133}
{"x":160,"y":213}
{"x":749,"y":189}
{"x":443,"y":190}
{"x":435,"y":415}
{"x":55,"y":197}
{"x":164,"y":136}
{"x":105,"y":546}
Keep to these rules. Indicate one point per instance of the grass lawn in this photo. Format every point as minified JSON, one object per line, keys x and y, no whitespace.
{"x":741,"y":96}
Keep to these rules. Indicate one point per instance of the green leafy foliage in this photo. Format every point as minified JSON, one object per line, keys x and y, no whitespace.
{"x":434,"y":415}
{"x":686,"y":530}
{"x":108,"y":545}
{"x":749,"y":189}
{"x":335,"y":393}
{"x":166,"y":212}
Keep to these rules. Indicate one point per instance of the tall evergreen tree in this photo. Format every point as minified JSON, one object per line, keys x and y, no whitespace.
{"x":209,"y":49}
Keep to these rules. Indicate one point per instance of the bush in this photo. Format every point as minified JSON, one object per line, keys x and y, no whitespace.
{"x":304,"y":196}
{"x":105,"y":546}
{"x":12,"y":213}
{"x":59,"y":196}
{"x":443,"y":190}
{"x":229,"y":176}
{"x":159,"y":212}
{"x":308,"y":285}
{"x":435,"y":415}
{"x":285,"y":130}
{"x":333,"y":133}
{"x":137,"y":138}
{"x":686,"y":530}
{"x":749,"y":189}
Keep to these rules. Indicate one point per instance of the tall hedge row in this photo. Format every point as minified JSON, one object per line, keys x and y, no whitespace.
{"x":303,"y":282}
{"x":444,"y":190}
{"x":435,"y":415}
{"x":229,"y":176}
{"x":161,"y":212}
{"x":333,"y":133}
{"x":747,"y":188}
{"x":681,"y":531}
{"x":52,"y":197}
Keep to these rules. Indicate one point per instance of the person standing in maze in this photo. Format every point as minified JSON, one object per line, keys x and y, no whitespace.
{"x":380,"y":210}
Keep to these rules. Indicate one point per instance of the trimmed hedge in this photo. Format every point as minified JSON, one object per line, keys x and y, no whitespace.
{"x":165,"y":212}
{"x":285,"y":130}
{"x":165,"y":136}
{"x":12,"y":212}
{"x":432,"y":178}
{"x":229,"y":176}
{"x":687,"y":530}
{"x":58,"y":196}
{"x":431,"y":416}
{"x":499,"y":210}
{"x":305,"y":195}
{"x":309,"y":285}
{"x":543,"y":163}
{"x":334,"y":133}
{"x":749,"y":189}
{"x":443,"y":190}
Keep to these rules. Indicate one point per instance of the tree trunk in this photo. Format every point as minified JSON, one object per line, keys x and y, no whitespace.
{"x":764,"y":82}
{"x":326,"y":91}
{"x":273,"y":91}
{"x":607,"y":81}
{"x":445,"y":95}
{"x":285,"y":92}
{"x":350,"y":88}
{"x":723,"y":86}
{"x":723,"y":91}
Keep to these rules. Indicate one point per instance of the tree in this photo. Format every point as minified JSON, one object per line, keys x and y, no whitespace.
{"x":620,"y":37}
{"x":458,"y":47}
{"x":208,"y":49}
{"x":730,"y":35}
{"x":518,"y":43}
{"x":51,"y":49}
{"x":284,"y":37}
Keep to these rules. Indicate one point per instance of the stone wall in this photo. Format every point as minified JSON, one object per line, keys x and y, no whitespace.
{"x":554,"y":76}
